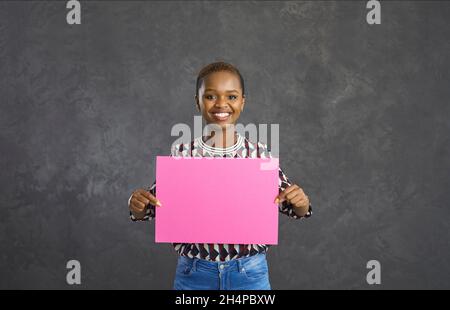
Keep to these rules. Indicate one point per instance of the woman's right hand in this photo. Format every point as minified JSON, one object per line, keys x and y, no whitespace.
{"x":139,"y":201}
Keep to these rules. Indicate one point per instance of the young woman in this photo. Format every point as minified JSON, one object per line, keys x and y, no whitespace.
{"x":220,"y":97}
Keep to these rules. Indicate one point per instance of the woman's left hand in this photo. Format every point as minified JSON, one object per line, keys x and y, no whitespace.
{"x":294,"y":195}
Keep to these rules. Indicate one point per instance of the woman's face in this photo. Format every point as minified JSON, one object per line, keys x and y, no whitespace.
{"x":220,"y":98}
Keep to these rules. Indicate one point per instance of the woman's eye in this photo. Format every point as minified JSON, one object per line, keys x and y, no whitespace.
{"x":232,"y":97}
{"x":209,"y":97}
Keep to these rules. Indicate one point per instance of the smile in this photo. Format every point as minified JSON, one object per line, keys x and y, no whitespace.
{"x":221,"y":116}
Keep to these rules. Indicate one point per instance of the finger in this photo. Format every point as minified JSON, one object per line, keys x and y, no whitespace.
{"x":282,"y":196}
{"x":297,"y":200}
{"x":142,"y":199}
{"x":294,"y":194}
{"x":307,"y":198}
{"x":291,"y":188}
{"x":146,"y":194}
{"x":156,"y":202}
{"x":296,"y":191}
{"x":137,"y":205}
{"x":135,"y":209}
{"x":153,"y":200}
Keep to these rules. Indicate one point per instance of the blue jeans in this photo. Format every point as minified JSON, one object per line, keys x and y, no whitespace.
{"x":248,"y":273}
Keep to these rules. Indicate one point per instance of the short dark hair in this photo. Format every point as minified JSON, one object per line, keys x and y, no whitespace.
{"x":217,"y":67}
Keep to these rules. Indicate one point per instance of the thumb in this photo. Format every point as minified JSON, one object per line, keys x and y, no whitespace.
{"x":153,"y":200}
{"x":280,"y":198}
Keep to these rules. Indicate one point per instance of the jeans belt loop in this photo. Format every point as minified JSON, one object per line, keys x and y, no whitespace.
{"x":240,"y":266}
{"x":194,"y":264}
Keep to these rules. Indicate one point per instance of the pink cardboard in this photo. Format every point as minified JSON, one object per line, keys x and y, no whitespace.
{"x":216,"y":200}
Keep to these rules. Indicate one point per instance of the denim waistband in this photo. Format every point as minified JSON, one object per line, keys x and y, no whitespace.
{"x":236,"y":264}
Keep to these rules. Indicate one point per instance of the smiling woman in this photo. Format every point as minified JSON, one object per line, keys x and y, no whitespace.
{"x":220,"y":94}
{"x":220,"y":98}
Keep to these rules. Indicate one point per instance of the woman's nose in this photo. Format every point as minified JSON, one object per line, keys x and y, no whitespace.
{"x":222,"y":100}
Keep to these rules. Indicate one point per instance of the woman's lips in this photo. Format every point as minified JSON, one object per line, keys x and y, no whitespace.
{"x":221,"y":116}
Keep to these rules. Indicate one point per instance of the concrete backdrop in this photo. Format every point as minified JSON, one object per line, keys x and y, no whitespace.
{"x":364,"y":121}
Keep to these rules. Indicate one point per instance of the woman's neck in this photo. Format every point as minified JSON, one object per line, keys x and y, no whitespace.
{"x":221,"y":139}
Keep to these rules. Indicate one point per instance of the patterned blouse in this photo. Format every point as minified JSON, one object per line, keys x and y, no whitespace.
{"x":242,"y":149}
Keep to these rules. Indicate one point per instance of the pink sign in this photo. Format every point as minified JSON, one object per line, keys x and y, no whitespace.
{"x":216,"y":200}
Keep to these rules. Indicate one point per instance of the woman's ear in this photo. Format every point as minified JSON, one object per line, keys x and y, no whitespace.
{"x":243,"y":103}
{"x":197,"y":104}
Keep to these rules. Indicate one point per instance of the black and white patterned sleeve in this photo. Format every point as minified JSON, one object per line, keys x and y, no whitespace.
{"x":285,"y":207}
{"x":283,"y":183}
{"x":150,"y":209}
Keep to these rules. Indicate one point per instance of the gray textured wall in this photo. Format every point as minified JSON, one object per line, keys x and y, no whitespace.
{"x":365,"y":122}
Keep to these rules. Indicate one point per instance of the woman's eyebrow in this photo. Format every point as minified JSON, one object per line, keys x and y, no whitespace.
{"x":227,"y":91}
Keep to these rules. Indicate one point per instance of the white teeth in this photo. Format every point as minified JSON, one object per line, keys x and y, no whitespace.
{"x":222,"y":114}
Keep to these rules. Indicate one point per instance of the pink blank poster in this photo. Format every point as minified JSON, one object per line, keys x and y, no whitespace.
{"x":216,"y":200}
